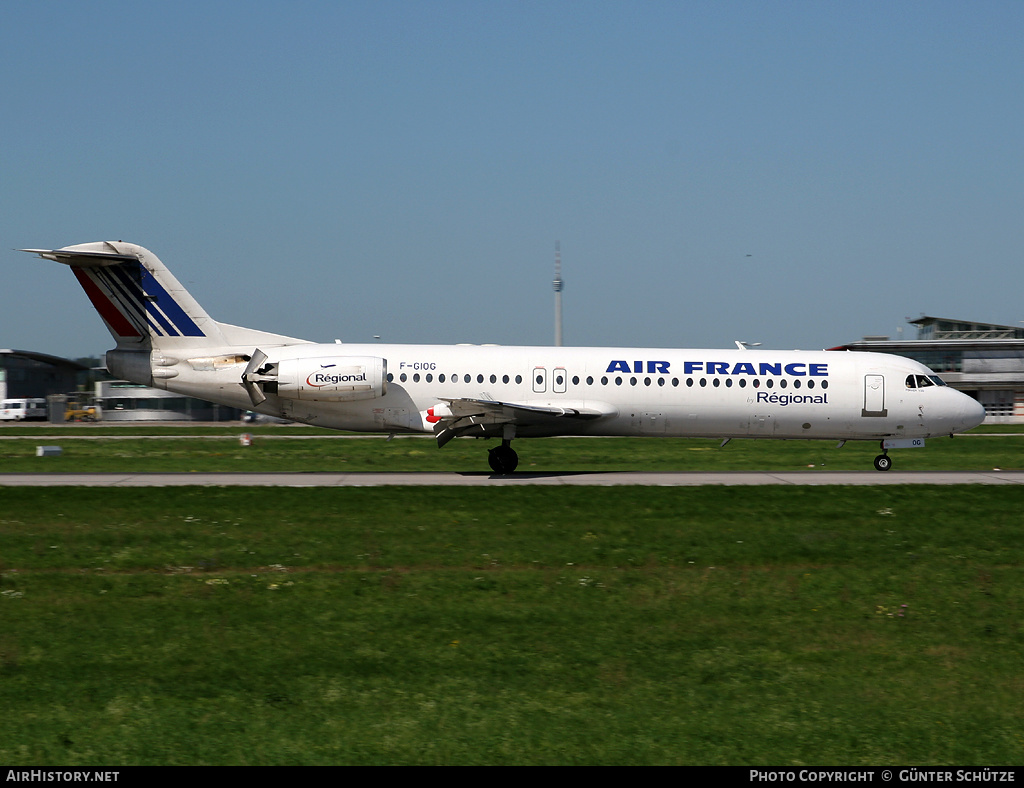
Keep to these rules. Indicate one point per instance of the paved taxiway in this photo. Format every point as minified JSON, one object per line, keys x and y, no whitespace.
{"x":599,"y":479}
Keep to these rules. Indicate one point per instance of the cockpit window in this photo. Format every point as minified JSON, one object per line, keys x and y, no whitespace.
{"x":923,"y":381}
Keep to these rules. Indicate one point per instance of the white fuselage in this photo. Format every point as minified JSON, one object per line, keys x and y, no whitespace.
{"x":637,"y":391}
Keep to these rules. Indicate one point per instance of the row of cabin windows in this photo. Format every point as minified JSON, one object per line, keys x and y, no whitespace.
{"x":429,"y":378}
{"x":619,"y":380}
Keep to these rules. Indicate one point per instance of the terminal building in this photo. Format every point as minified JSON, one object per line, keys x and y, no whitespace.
{"x":984,"y":360}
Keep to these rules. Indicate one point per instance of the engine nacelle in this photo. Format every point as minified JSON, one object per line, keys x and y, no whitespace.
{"x":332,"y":379}
{"x":133,"y":365}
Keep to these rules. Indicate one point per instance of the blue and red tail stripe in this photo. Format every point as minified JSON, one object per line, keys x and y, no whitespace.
{"x":133,"y":302}
{"x":111,"y":315}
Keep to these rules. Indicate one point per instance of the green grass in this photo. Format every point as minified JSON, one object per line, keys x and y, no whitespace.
{"x":778,"y":626}
{"x":222,"y":452}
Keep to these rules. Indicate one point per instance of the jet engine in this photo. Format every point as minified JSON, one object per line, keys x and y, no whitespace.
{"x":327,"y":379}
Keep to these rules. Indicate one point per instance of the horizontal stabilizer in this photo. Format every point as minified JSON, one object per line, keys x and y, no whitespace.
{"x":83,"y":259}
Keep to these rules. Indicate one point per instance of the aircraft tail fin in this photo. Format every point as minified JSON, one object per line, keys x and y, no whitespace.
{"x":143,"y":304}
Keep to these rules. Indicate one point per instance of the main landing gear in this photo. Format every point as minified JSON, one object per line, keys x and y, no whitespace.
{"x":503,"y":459}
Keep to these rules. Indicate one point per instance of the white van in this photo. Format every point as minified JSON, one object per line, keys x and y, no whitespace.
{"x":22,"y":409}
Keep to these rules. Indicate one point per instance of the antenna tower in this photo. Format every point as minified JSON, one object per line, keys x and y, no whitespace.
{"x":558,"y":285}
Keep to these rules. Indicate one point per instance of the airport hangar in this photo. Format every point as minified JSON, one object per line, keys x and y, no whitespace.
{"x":25,"y":374}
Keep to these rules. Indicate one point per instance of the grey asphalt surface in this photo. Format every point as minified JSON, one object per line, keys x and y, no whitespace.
{"x":597,"y":479}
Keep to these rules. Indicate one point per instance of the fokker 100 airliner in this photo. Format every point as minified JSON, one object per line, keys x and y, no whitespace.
{"x":165,"y":339}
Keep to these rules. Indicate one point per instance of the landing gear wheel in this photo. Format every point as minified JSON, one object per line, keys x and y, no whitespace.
{"x":882,"y":462}
{"x":503,"y":459}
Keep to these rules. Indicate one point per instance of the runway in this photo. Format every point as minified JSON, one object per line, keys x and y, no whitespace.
{"x":575,"y":478}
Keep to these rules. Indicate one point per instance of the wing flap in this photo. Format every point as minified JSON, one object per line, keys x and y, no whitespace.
{"x":483,"y":417}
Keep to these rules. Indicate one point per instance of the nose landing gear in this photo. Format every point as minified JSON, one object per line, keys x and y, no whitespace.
{"x":883,"y":462}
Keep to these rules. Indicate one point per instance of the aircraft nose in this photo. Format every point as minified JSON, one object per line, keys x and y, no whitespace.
{"x":972,"y":413}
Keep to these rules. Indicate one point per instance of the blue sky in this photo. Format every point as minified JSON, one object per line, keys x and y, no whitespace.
{"x":792,"y":173}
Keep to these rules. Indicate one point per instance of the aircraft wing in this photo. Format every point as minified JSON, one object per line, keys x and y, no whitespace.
{"x":481,"y":417}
